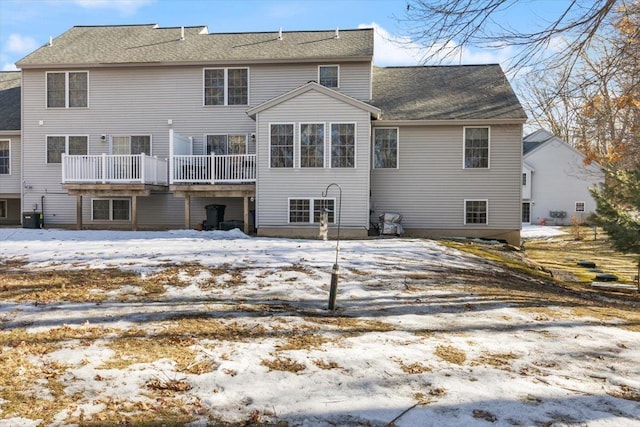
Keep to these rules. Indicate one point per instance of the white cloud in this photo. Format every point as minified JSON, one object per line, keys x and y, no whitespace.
{"x":390,"y":49}
{"x":20,"y":44}
{"x":393,"y":50}
{"x":126,"y":7}
{"x":9,"y":67}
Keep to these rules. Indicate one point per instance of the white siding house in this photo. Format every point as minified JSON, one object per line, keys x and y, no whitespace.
{"x":142,"y":127}
{"x":558,"y":182}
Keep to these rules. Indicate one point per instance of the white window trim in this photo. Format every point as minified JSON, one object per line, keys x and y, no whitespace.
{"x":111,"y":209}
{"x":584,"y":206}
{"x":10,"y":165}
{"x":464,"y":212}
{"x":6,"y":208}
{"x":355,"y":144}
{"x":311,"y":209}
{"x":226,"y":86}
{"x":121,"y":135}
{"x":294,"y":144}
{"x":298,"y":142}
{"x":66,"y":89}
{"x":464,"y":146}
{"x":329,"y":65}
{"x":66,"y":145}
{"x":373,"y":146}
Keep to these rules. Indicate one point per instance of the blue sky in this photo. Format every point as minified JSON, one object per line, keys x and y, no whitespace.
{"x":27,"y":24}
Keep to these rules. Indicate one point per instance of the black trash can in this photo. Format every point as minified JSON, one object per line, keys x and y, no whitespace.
{"x":215,"y":215}
{"x":31,"y":220}
{"x":252,"y":214}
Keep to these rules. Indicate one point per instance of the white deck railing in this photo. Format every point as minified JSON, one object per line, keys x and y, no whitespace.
{"x":214,"y":169}
{"x":114,"y":168}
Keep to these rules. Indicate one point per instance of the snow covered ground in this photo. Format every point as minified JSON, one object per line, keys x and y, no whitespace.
{"x":540,"y":231}
{"x":413,"y":332}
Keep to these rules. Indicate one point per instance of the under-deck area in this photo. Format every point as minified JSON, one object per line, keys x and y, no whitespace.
{"x":189,"y":191}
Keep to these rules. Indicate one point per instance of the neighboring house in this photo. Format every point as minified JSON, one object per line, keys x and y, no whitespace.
{"x":555,"y":181}
{"x":10,"y":182}
{"x":145,"y":126}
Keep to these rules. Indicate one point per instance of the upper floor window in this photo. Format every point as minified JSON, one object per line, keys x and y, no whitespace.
{"x":475,"y":212}
{"x":329,"y":76}
{"x":312,"y":145}
{"x":226,"y":86}
{"x":343,"y":145}
{"x":281,"y":145}
{"x":579,"y":206}
{"x":131,"y":144}
{"x":476,"y":147}
{"x":226,"y":144}
{"x":524,"y":179}
{"x":385,"y":148}
{"x":73,"y":145}
{"x":68,"y":89}
{"x":5,"y":157}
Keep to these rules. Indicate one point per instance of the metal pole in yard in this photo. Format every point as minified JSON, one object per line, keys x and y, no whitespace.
{"x":333,"y":291}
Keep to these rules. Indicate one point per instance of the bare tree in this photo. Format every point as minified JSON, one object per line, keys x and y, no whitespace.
{"x":446,"y":27}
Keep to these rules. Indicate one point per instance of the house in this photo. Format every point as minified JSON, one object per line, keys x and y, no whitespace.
{"x":555,"y":181}
{"x":141,"y":126}
{"x":10,"y":138}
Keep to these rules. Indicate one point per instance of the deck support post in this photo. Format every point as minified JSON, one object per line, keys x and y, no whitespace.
{"x":245,"y":212}
{"x":187,"y":212}
{"x":79,"y":212}
{"x":134,"y":213}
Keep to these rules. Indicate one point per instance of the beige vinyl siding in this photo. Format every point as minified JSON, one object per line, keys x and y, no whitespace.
{"x":430,"y":185}
{"x":276,"y":185}
{"x":11,"y":183}
{"x":141,"y":100}
{"x":269,"y":81}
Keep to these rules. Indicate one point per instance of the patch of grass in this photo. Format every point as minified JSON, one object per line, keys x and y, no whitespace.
{"x":351,"y":326}
{"x":298,"y":268}
{"x":158,"y":412}
{"x":561,"y":253}
{"x":413,"y":368}
{"x":497,"y":360}
{"x":32,"y":390}
{"x":626,"y":392}
{"x":325,"y":365}
{"x":43,"y":342}
{"x":451,"y":354}
{"x":42,"y":287}
{"x":283,"y":364}
{"x":302,"y":341}
{"x":204,"y":327}
{"x":132,"y":350}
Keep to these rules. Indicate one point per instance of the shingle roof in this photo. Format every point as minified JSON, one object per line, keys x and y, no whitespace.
{"x":10,"y":82}
{"x":151,"y":44}
{"x":464,"y":92}
{"x":536,"y":139}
